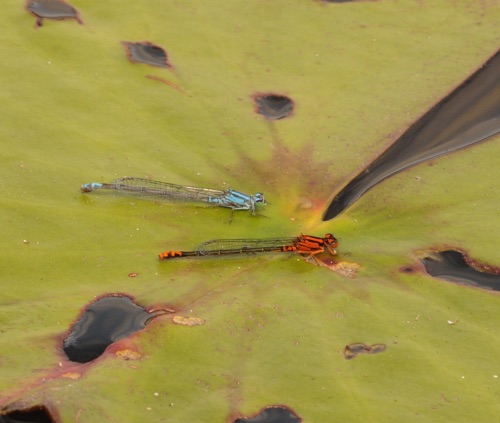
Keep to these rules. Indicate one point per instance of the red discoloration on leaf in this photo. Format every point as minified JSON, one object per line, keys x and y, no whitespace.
{"x":165,"y":81}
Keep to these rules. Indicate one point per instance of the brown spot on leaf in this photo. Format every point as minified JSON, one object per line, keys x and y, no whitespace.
{"x":128,"y":354}
{"x":344,"y":268}
{"x":407,"y":269}
{"x":71,"y":375}
{"x":188,"y":321}
{"x":353,"y":350}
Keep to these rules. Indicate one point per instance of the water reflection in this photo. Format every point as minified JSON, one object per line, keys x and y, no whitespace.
{"x":452,"y":266}
{"x":146,"y":52}
{"x":38,"y":414}
{"x":51,"y":9}
{"x":272,"y":415}
{"x":107,"y":320}
{"x":273,"y":106}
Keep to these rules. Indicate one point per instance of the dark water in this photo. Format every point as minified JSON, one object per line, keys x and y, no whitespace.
{"x":272,"y":415}
{"x":52,"y":9}
{"x":107,"y":320}
{"x":147,"y":53}
{"x":32,"y":415}
{"x":470,"y":114}
{"x":353,"y":350}
{"x":274,"y":106}
{"x":452,"y":266}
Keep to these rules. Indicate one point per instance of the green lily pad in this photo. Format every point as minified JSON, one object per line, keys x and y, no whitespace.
{"x":275,"y":328}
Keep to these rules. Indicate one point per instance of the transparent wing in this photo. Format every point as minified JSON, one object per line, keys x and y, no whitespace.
{"x":165,"y":190}
{"x":244,"y":244}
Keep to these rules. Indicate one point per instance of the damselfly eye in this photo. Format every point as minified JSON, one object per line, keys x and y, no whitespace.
{"x":331,"y":240}
{"x":259,"y":198}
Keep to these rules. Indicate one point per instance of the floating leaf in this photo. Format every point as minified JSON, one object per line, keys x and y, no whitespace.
{"x":359,"y":75}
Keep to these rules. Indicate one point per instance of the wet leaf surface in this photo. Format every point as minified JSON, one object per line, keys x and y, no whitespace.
{"x":273,"y":106}
{"x":32,"y":415}
{"x":452,"y":266}
{"x":107,"y":320}
{"x":272,"y":415}
{"x":147,"y":53}
{"x":52,"y":9}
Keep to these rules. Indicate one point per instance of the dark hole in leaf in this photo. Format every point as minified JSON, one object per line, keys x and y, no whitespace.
{"x":37,"y":414}
{"x":468,"y":115}
{"x":107,"y":320}
{"x":52,"y":9}
{"x":273,"y":106}
{"x":146,"y":52}
{"x":352,"y":350}
{"x":453,"y":266}
{"x":272,"y":415}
